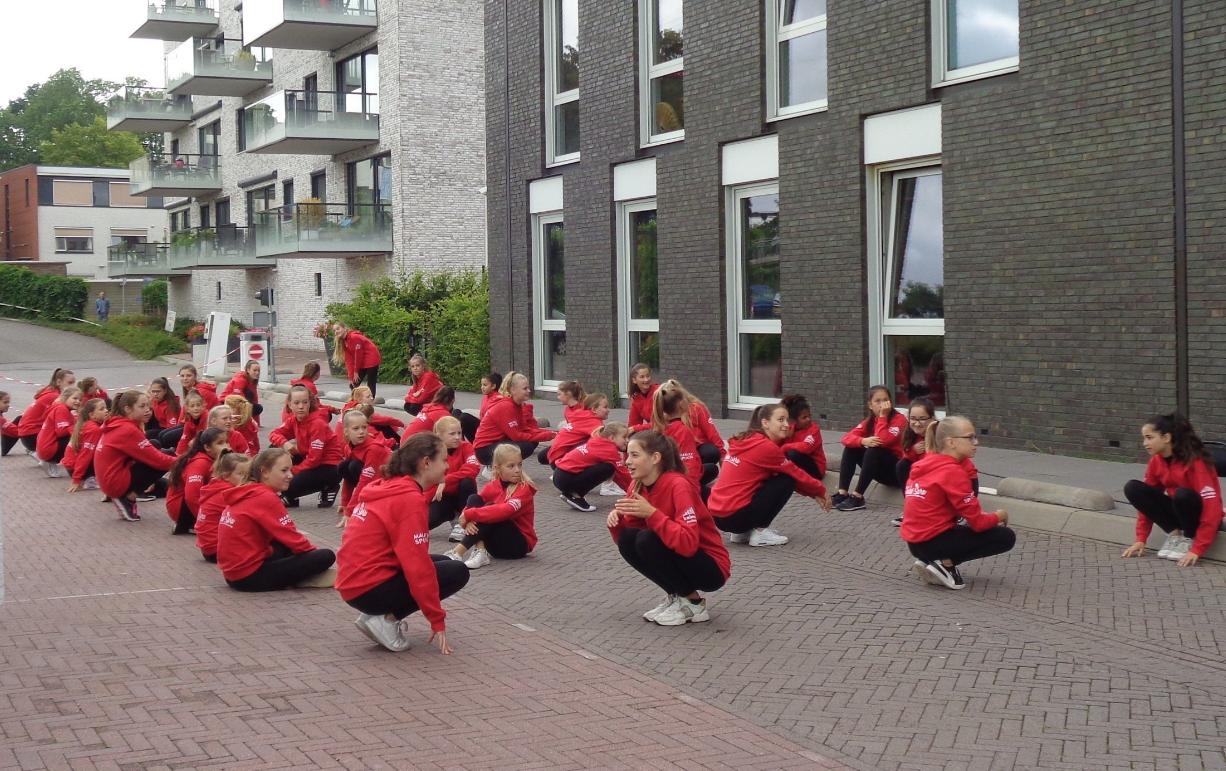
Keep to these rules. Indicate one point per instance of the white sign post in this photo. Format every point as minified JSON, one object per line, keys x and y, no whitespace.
{"x":218,"y":334}
{"x":171,"y":316}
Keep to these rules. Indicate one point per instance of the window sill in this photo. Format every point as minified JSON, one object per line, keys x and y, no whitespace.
{"x":1005,"y":67}
{"x":564,"y":160}
{"x":664,"y":139}
{"x":822,"y":106}
{"x":74,"y":252}
{"x":750,"y":406}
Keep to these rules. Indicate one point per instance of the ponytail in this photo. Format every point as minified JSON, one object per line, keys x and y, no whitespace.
{"x":199,"y":444}
{"x":760,"y":413}
{"x":574,"y":388}
{"x":611,"y":430}
{"x":669,"y":400}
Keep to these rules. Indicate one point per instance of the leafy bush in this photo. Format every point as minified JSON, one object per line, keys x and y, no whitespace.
{"x":154,"y":297}
{"x":443,"y":316}
{"x":49,"y":297}
{"x":142,"y":336}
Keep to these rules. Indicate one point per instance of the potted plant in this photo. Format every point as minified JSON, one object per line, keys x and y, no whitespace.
{"x":245,"y":60}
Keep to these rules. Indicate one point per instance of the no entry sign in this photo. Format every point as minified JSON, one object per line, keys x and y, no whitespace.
{"x":256,"y":351}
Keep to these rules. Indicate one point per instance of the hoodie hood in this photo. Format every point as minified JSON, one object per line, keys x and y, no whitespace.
{"x":118,"y":423}
{"x":739,"y":446}
{"x":929,"y":463}
{"x":254,"y":492}
{"x":388,"y":488}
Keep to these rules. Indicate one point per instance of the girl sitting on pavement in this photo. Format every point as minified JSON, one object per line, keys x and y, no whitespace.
{"x":500,"y":520}
{"x":442,"y":405}
{"x":316,"y":451}
{"x":192,"y":421}
{"x":189,"y":380}
{"x":165,"y":416}
{"x":91,"y":390}
{"x":423,"y":385}
{"x":9,"y":435}
{"x":243,"y":423}
{"x":362,"y":457}
{"x":598,"y":460}
{"x":228,"y":472}
{"x":386,"y":426}
{"x":31,"y":421}
{"x":126,"y":462}
{"x":189,"y":475}
{"x":1181,"y":492}
{"x":79,"y":458}
{"x":804,"y":443}
{"x":56,"y":432}
{"x":448,"y":500}
{"x":875,"y":446}
{"x":577,"y":428}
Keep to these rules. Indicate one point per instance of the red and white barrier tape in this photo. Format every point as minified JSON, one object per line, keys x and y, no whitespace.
{"x":116,"y":390}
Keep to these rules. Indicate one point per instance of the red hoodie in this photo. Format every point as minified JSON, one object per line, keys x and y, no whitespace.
{"x":518,"y":506}
{"x":749,"y":463}
{"x":251,"y":434}
{"x":255,"y":517}
{"x":195,"y":476}
{"x":208,"y":392}
{"x":162,"y":414}
{"x":8,"y":429}
{"x":462,"y":464}
{"x":32,"y":419}
{"x":373,"y":455}
{"x":487,"y":401}
{"x":576,"y":430}
{"x":82,"y":460}
{"x":506,"y":420}
{"x":640,"y":408}
{"x":426,"y":419}
{"x":212,"y":503}
{"x":423,"y":391}
{"x":360,"y":353}
{"x":703,"y":426}
{"x":889,"y":431}
{"x":58,"y":423}
{"x":375,"y":419}
{"x":317,"y":445}
{"x":191,"y":427}
{"x":808,"y":442}
{"x":121,"y":444}
{"x":241,"y":384}
{"x":97,"y":393}
{"x":1168,"y":475}
{"x":939,"y":494}
{"x":681,"y":520}
{"x":310,"y":386}
{"x":597,"y":449}
{"x":684,"y":437}
{"x":389,"y":533}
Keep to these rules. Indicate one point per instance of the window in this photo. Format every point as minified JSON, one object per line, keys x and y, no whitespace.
{"x":180,"y":220}
{"x":795,"y":57}
{"x":319,"y":285}
{"x":206,"y":221}
{"x":370,"y":181}
{"x":223,"y":212}
{"x":357,"y":82}
{"x":319,"y":186}
{"x":561,"y":81}
{"x":218,"y":291}
{"x":209,"y":140}
{"x":74,"y":240}
{"x":662,"y":95}
{"x":287,"y":192}
{"x":68,"y":193}
{"x":549,"y":298}
{"x":240,"y":140}
{"x":639,"y":288}
{"x":129,"y":238}
{"x":260,"y":200}
{"x":973,"y":39}
{"x":908,"y":282}
{"x":754,"y":289}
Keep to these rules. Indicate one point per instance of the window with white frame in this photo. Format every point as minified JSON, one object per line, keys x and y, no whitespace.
{"x":908,"y":282}
{"x":638,"y":290}
{"x":754,"y":291}
{"x":549,"y":298}
{"x":974,"y":39}
{"x":795,"y":57}
{"x":662,"y":70}
{"x":561,"y":81}
{"x":74,"y":240}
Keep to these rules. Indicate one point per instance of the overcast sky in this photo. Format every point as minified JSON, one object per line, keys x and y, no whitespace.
{"x":42,"y":36}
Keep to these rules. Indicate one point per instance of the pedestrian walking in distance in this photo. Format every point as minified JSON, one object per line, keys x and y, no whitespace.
{"x":102,"y":307}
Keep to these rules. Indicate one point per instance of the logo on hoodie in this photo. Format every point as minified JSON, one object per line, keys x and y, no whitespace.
{"x":369,"y":472}
{"x":513,"y":424}
{"x":689,"y":517}
{"x":227,"y":519}
{"x":421,"y":538}
{"x":317,"y":444}
{"x":358,"y":512}
{"x":893,"y":430}
{"x":286,"y":520}
{"x":515,"y":504}
{"x":915,"y":491}
{"x":734,"y":460}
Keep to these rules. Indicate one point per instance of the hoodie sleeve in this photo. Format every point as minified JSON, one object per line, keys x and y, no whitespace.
{"x":773,"y":460}
{"x":411,"y":542}
{"x":282,"y":434}
{"x":146,"y":453}
{"x":962,"y":498}
{"x":855,"y":437}
{"x":679,"y":531}
{"x":351,"y":363}
{"x":315,"y":436}
{"x":469,"y":468}
{"x":890,"y":432}
{"x":196,"y":479}
{"x":281,"y":528}
{"x":500,"y":414}
{"x":1206,"y":484}
{"x":503,"y":511}
{"x":85,"y":456}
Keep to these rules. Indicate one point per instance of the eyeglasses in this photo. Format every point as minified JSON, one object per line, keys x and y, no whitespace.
{"x":920,"y":420}
{"x":974,"y":438}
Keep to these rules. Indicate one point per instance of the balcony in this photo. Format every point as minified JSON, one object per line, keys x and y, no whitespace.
{"x":310,"y":25}
{"x":324,"y":230}
{"x":224,"y":247}
{"x":138,"y":260}
{"x":138,"y":109}
{"x":177,"y":20}
{"x":163,"y":175}
{"x":200,"y":67}
{"x":311,"y":123}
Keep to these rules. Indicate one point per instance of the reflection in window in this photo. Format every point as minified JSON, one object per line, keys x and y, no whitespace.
{"x":760,"y":256}
{"x":663,"y":69}
{"x":917,"y":258}
{"x":919,"y":368}
{"x":796,"y":55}
{"x":644,"y":299}
{"x":568,"y":45}
{"x":645,"y":348}
{"x":555,"y":361}
{"x":981,"y":31}
{"x":561,"y":81}
{"x":555,"y":283}
{"x":669,"y":31}
{"x":761,"y":366}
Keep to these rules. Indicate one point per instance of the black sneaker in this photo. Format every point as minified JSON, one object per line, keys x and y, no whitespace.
{"x":126,"y":509}
{"x":290,"y":503}
{"x":851,"y":503}
{"x":327,"y":499}
{"x":948,"y":576}
{"x":958,"y":582}
{"x":578,"y":504}
{"x":838,"y":498}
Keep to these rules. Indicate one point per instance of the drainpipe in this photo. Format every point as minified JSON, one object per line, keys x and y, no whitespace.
{"x":506,"y":159}
{"x":1182,"y":390}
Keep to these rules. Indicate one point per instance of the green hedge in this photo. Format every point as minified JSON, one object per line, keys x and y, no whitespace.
{"x":154,"y":297}
{"x":443,"y":316}
{"x":49,"y":297}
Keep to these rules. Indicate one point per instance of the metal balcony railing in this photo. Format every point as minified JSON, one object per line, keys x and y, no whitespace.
{"x":175,"y":174}
{"x":311,"y":123}
{"x":139,"y":108}
{"x":223,"y":246}
{"x":209,"y":67}
{"x":175,"y":20}
{"x":138,"y":260}
{"x":312,"y":25}
{"x":311,"y":229}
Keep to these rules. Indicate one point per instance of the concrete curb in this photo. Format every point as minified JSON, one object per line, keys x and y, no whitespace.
{"x":1061,"y":495}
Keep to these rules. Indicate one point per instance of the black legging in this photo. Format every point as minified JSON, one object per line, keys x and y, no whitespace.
{"x":371,"y":376}
{"x":710,"y":453}
{"x":389,"y":433}
{"x":485,"y":455}
{"x":413,"y":408}
{"x":807,"y":463}
{"x":7,"y":442}
{"x":284,"y":569}
{"x":186,"y":520}
{"x":171,"y":436}
{"x":468,"y":424}
{"x":902,"y":470}
{"x":542,"y":458}
{"x":577,"y":484}
{"x":1180,"y":512}
{"x":315,"y":480}
{"x":350,"y":470}
{"x":681,"y":576}
{"x":767,"y":502}
{"x":449,"y":507}
{"x":144,"y":477}
{"x":502,"y":539}
{"x":61,"y":446}
{"x":393,"y":595}
{"x":961,"y":544}
{"x":876,"y":465}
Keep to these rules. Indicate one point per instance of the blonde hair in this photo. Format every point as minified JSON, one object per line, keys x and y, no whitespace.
{"x":670,"y":399}
{"x":508,"y":380}
{"x":445,"y":423}
{"x":227,"y":462}
{"x":214,"y":412}
{"x":263,"y":462}
{"x":68,"y":393}
{"x":193,"y":396}
{"x":505,"y":453}
{"x":353,"y":395}
{"x":339,"y":330}
{"x":940,"y":430}
{"x":241,"y":409}
{"x":610,"y":430}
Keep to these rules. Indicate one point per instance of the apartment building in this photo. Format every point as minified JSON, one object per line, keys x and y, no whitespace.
{"x":1012,"y":207}
{"x":310,"y":145}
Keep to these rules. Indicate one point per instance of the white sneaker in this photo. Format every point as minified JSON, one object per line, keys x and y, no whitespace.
{"x":1179,"y":549}
{"x":921,"y":568}
{"x":453,"y":555}
{"x":655,"y":612}
{"x":477,"y":558}
{"x":90,"y":484}
{"x":684,"y":612}
{"x":738,"y":538}
{"x":386,"y":633}
{"x":55,"y":470}
{"x":611,"y":488}
{"x":457,"y":534}
{"x":766,"y":537}
{"x":360,"y":623}
{"x":1165,"y":551}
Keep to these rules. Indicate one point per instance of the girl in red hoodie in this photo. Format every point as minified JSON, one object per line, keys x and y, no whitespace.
{"x":597,"y":460}
{"x":192,"y":420}
{"x":507,"y":422}
{"x":126,"y":462}
{"x":874,"y":446}
{"x":423,"y":385}
{"x":244,"y":422}
{"x":449,"y":499}
{"x":758,"y":480}
{"x":56,"y":432}
{"x":360,"y":356}
{"x":642,"y":396}
{"x":706,"y":435}
{"x":669,"y":416}
{"x":938,"y":495}
{"x":310,"y":373}
{"x":189,"y":475}
{"x":664,"y":531}
{"x":1180,"y":493}
{"x":363,"y":456}
{"x":31,"y":421}
{"x":316,"y":450}
{"x":385,"y":569}
{"x":571,"y":395}
{"x":91,"y":390}
{"x":490,"y":384}
{"x":9,"y":435}
{"x":79,"y":458}
{"x":189,"y":380}
{"x":500,"y":520}
{"x":804,"y":443}
{"x":229,"y":472}
{"x":385,"y":426}
{"x":166,"y":411}
{"x":247,"y":385}
{"x":443,"y":405}
{"x":259,"y":549}
{"x":577,"y":428}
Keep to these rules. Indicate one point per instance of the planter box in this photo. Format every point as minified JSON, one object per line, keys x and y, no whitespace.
{"x":199,"y":354}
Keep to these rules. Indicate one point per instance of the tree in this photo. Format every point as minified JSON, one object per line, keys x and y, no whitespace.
{"x":29,"y":120}
{"x":90,"y":145}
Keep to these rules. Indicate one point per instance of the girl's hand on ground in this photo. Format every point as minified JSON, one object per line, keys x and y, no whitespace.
{"x":613,"y":519}
{"x":72,"y":488}
{"x":1136,"y":550}
{"x":443,"y":647}
{"x":1188,"y":560}
{"x":824,"y":502}
{"x":634,"y":506}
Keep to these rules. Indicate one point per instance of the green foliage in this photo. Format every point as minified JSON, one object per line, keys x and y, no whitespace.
{"x":443,"y":316}
{"x":154,"y":298}
{"x":91,"y":145}
{"x":48,"y":297}
{"x":66,"y":98}
{"x":141,"y":336}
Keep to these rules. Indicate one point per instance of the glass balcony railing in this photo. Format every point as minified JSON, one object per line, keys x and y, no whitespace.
{"x":134,"y":108}
{"x":225,"y":246}
{"x":176,"y":20}
{"x":311,"y":123}
{"x":207,"y":67}
{"x":138,"y":260}
{"x":324,"y":230}
{"x":169,"y":175}
{"x":311,"y":25}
